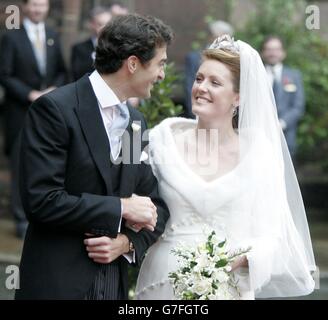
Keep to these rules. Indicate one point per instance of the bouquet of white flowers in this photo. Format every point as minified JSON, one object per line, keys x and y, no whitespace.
{"x":205,"y":271}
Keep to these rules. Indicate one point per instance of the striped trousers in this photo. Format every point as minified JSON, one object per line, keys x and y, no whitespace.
{"x":107,"y":284}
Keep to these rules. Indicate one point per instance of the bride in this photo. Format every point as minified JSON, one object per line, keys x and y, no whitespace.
{"x":231,"y":170}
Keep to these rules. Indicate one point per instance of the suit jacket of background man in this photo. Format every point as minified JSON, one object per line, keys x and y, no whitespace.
{"x":81,"y":59}
{"x":192,"y":63}
{"x":67,"y":191}
{"x":19,"y":74}
{"x":290,"y":102}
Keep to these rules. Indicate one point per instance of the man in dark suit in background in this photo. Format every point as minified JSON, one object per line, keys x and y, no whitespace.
{"x":83,"y":53}
{"x":287,"y":88}
{"x":31,"y":65}
{"x":74,"y":185}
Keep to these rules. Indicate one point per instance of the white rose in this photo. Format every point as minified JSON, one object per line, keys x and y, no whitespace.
{"x":221,"y":276}
{"x":202,"y":286}
{"x":202,"y":262}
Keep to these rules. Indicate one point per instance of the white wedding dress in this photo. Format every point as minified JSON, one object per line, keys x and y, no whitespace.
{"x":193,"y":204}
{"x":231,"y":205}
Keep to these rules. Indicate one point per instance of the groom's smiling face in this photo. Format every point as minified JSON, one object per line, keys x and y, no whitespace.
{"x":148,"y":74}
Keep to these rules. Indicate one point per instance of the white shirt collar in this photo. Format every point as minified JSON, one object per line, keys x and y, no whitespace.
{"x":105,"y":95}
{"x":30,"y":26}
{"x":276,"y":68}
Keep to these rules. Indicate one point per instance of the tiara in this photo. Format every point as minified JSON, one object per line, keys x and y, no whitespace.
{"x":225,"y":42}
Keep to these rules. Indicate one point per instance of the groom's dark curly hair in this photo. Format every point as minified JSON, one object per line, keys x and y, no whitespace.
{"x":128,"y":35}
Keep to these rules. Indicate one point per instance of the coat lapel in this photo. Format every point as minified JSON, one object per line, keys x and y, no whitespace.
{"x":93,"y":128}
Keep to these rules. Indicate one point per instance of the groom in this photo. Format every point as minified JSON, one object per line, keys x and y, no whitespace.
{"x":75,"y":194}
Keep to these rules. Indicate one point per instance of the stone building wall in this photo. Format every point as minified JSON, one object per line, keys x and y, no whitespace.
{"x":185,"y":16}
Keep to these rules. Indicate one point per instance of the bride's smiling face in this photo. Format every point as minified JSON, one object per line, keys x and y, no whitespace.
{"x":213,"y":94}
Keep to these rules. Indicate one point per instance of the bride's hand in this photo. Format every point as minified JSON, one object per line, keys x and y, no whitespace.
{"x":241,"y":262}
{"x":139,"y":211}
{"x":136,"y":227}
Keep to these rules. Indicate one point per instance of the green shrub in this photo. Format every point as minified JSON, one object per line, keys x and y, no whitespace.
{"x":160,"y":105}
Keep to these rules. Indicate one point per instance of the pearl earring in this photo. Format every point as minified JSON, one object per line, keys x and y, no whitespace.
{"x":234,"y":111}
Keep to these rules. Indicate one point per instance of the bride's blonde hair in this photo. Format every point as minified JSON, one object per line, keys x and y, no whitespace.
{"x":228,"y":58}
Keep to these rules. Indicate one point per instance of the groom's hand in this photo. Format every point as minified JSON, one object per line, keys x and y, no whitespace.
{"x":105,"y":250}
{"x":140,"y":211}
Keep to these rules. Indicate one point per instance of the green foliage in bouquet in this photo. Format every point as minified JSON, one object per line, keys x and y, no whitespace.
{"x":204,"y":271}
{"x":306,"y":51}
{"x":161,"y":106}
